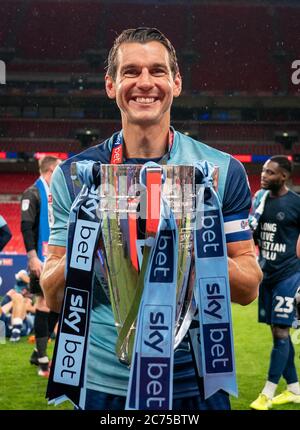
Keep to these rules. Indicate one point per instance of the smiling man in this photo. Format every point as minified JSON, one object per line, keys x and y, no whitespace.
{"x":143,"y":77}
{"x":277,"y":233}
{"x":144,"y":88}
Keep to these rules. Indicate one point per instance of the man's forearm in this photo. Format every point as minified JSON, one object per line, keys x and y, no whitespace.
{"x":245,"y":276}
{"x":27,"y":229}
{"x":244,"y":279}
{"x":52,"y":279}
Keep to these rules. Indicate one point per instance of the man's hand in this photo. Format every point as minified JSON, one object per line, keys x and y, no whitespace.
{"x":35,"y":266}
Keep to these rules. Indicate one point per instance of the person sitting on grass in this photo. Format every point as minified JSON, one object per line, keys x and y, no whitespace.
{"x":17,"y":310}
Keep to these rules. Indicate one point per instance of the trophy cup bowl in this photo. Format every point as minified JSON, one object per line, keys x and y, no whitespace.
{"x":122,"y":211}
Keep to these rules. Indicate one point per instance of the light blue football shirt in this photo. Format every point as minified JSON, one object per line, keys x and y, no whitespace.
{"x":105,"y":372}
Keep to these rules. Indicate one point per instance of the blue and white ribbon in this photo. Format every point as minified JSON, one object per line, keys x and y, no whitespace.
{"x":68,"y":371}
{"x":151,"y":375}
{"x":259,"y":207}
{"x":212,"y":289}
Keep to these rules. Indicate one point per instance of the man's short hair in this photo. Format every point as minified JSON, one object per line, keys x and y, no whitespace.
{"x":283,"y":162}
{"x":47,"y":162}
{"x":140,"y":35}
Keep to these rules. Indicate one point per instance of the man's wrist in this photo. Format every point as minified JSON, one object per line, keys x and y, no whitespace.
{"x":32,"y":254}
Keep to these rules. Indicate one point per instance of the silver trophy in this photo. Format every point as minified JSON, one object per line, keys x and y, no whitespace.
{"x":123,"y":213}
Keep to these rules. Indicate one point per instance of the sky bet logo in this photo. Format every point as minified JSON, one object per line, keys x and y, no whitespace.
{"x":83,"y":245}
{"x":71,"y":339}
{"x":210,"y":243}
{"x":154,"y":393}
{"x":85,"y":235}
{"x":156,"y":325}
{"x":217,"y":347}
{"x":216,"y":328}
{"x":155,"y":357}
{"x":162,"y":263}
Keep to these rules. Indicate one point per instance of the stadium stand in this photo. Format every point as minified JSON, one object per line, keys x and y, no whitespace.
{"x":288,"y":42}
{"x":46,"y":24}
{"x":235,"y":58}
{"x":168,"y":19}
{"x":241,"y":49}
{"x":23,"y":144}
{"x":54,"y":128}
{"x":224,"y":63}
{"x":16,"y":183}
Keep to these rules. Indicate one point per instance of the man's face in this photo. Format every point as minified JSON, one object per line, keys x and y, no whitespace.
{"x":144,"y":86}
{"x":272,"y":176}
